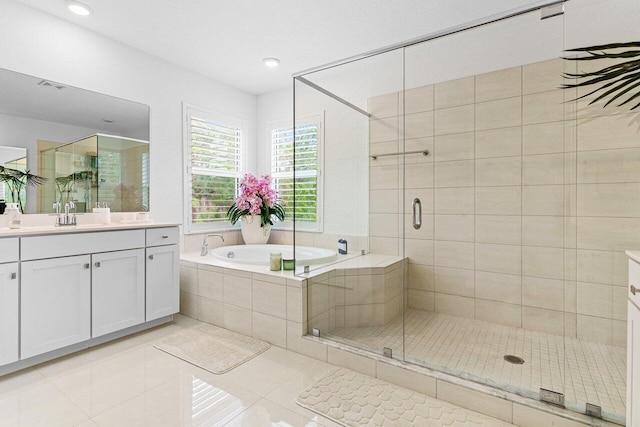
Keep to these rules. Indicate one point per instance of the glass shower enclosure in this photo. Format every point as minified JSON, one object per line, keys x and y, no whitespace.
{"x":483,"y":205}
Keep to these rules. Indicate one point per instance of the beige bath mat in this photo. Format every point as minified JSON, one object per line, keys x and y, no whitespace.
{"x":354,"y":399}
{"x":215,"y":349}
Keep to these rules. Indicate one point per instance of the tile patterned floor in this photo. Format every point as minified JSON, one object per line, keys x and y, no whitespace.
{"x":130,"y":383}
{"x":585,"y":371}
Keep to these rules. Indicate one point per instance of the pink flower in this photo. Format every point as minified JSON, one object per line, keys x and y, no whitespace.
{"x":256,"y":194}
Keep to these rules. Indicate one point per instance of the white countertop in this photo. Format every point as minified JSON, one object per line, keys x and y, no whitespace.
{"x":80,"y":228}
{"x":633,"y":255}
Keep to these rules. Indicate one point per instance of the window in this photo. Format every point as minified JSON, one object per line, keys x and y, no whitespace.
{"x":307,"y":176}
{"x":214,"y":146}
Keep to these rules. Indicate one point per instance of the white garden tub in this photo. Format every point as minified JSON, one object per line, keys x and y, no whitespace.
{"x":260,"y":254}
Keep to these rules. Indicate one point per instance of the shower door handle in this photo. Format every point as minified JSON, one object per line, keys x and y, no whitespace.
{"x":417,"y":213}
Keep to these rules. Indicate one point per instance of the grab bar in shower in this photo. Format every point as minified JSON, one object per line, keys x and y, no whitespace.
{"x":417,"y":213}
{"x":375,"y":156}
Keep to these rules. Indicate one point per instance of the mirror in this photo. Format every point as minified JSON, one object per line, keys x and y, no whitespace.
{"x":12,"y":159}
{"x":90,"y":147}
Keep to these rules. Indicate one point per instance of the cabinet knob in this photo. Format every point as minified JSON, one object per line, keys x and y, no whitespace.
{"x":97,"y":264}
{"x":14,"y":276}
{"x":87,"y":266}
{"x":633,"y":289}
{"x":165,"y":236}
{"x":150,"y":256}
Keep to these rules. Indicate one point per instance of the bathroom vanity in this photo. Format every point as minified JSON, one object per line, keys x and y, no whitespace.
{"x":63,"y":289}
{"x":633,"y":340}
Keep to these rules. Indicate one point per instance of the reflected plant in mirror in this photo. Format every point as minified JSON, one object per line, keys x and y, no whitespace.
{"x":94,"y":150}
{"x":14,"y":181}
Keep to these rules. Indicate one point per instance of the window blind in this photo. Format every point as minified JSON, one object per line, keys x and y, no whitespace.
{"x":306,"y":170}
{"x":216,"y":159}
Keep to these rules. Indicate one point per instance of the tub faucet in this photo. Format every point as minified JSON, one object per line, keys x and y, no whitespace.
{"x":205,"y":245}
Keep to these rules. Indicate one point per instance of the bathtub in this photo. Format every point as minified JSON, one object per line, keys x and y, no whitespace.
{"x":259,"y":254}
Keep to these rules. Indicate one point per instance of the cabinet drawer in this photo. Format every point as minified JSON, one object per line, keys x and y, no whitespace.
{"x":9,"y":249}
{"x":40,"y":247}
{"x":162,"y":236}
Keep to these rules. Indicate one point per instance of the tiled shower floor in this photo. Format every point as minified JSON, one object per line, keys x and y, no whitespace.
{"x":584,"y":371}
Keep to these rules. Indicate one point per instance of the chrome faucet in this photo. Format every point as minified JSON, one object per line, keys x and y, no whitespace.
{"x":68,"y":218}
{"x":205,"y":245}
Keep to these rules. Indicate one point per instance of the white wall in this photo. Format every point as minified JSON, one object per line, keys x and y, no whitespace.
{"x":38,"y":44}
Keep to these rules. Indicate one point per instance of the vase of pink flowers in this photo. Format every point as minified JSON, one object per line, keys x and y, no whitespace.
{"x":256,"y":206}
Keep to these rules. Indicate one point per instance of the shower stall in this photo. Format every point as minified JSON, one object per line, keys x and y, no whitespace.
{"x":486,"y":208}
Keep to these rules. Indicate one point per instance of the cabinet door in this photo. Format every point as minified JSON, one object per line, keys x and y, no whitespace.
{"x":163,"y":283}
{"x":117,"y":291}
{"x":9,"y":311}
{"x":633,"y":365}
{"x":55,"y":304}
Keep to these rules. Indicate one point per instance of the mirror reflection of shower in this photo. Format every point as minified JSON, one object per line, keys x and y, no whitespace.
{"x":93,"y":171}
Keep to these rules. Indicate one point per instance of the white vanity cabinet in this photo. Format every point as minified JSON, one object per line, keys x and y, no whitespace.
{"x":163,"y":272}
{"x":9,"y":297}
{"x":57,"y":307}
{"x":633,"y":345}
{"x":55,"y":304}
{"x":117,"y":291}
{"x":66,"y":289}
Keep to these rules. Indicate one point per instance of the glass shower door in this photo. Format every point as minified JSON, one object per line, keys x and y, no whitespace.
{"x":358,"y":298}
{"x":486,"y":277}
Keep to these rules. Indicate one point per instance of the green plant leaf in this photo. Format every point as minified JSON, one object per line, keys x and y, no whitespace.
{"x":613,"y":81}
{"x":606,"y":46}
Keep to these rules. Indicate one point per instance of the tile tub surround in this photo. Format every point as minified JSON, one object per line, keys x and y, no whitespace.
{"x":355,"y":297}
{"x":528,"y":201}
{"x":264,"y":306}
{"x":272,"y":306}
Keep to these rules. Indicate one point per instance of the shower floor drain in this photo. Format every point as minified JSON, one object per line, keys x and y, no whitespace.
{"x":514,"y":359}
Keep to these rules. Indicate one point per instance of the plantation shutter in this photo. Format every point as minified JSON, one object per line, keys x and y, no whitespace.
{"x":306,"y":170}
{"x":216,"y":161}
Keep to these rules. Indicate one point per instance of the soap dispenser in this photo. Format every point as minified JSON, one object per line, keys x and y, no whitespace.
{"x":15,"y":216}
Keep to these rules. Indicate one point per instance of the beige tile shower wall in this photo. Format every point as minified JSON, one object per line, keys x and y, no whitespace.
{"x":528,"y":200}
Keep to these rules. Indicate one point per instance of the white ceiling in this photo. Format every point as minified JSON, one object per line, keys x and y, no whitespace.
{"x":226,"y":40}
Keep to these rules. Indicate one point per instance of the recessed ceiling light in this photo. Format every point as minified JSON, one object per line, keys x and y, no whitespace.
{"x":271,"y":62}
{"x":78,"y":8}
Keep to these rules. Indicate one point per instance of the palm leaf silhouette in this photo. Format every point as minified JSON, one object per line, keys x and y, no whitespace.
{"x":619,"y":82}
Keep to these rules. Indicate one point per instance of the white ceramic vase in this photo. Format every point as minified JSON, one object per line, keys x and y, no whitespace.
{"x":252,"y":233}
